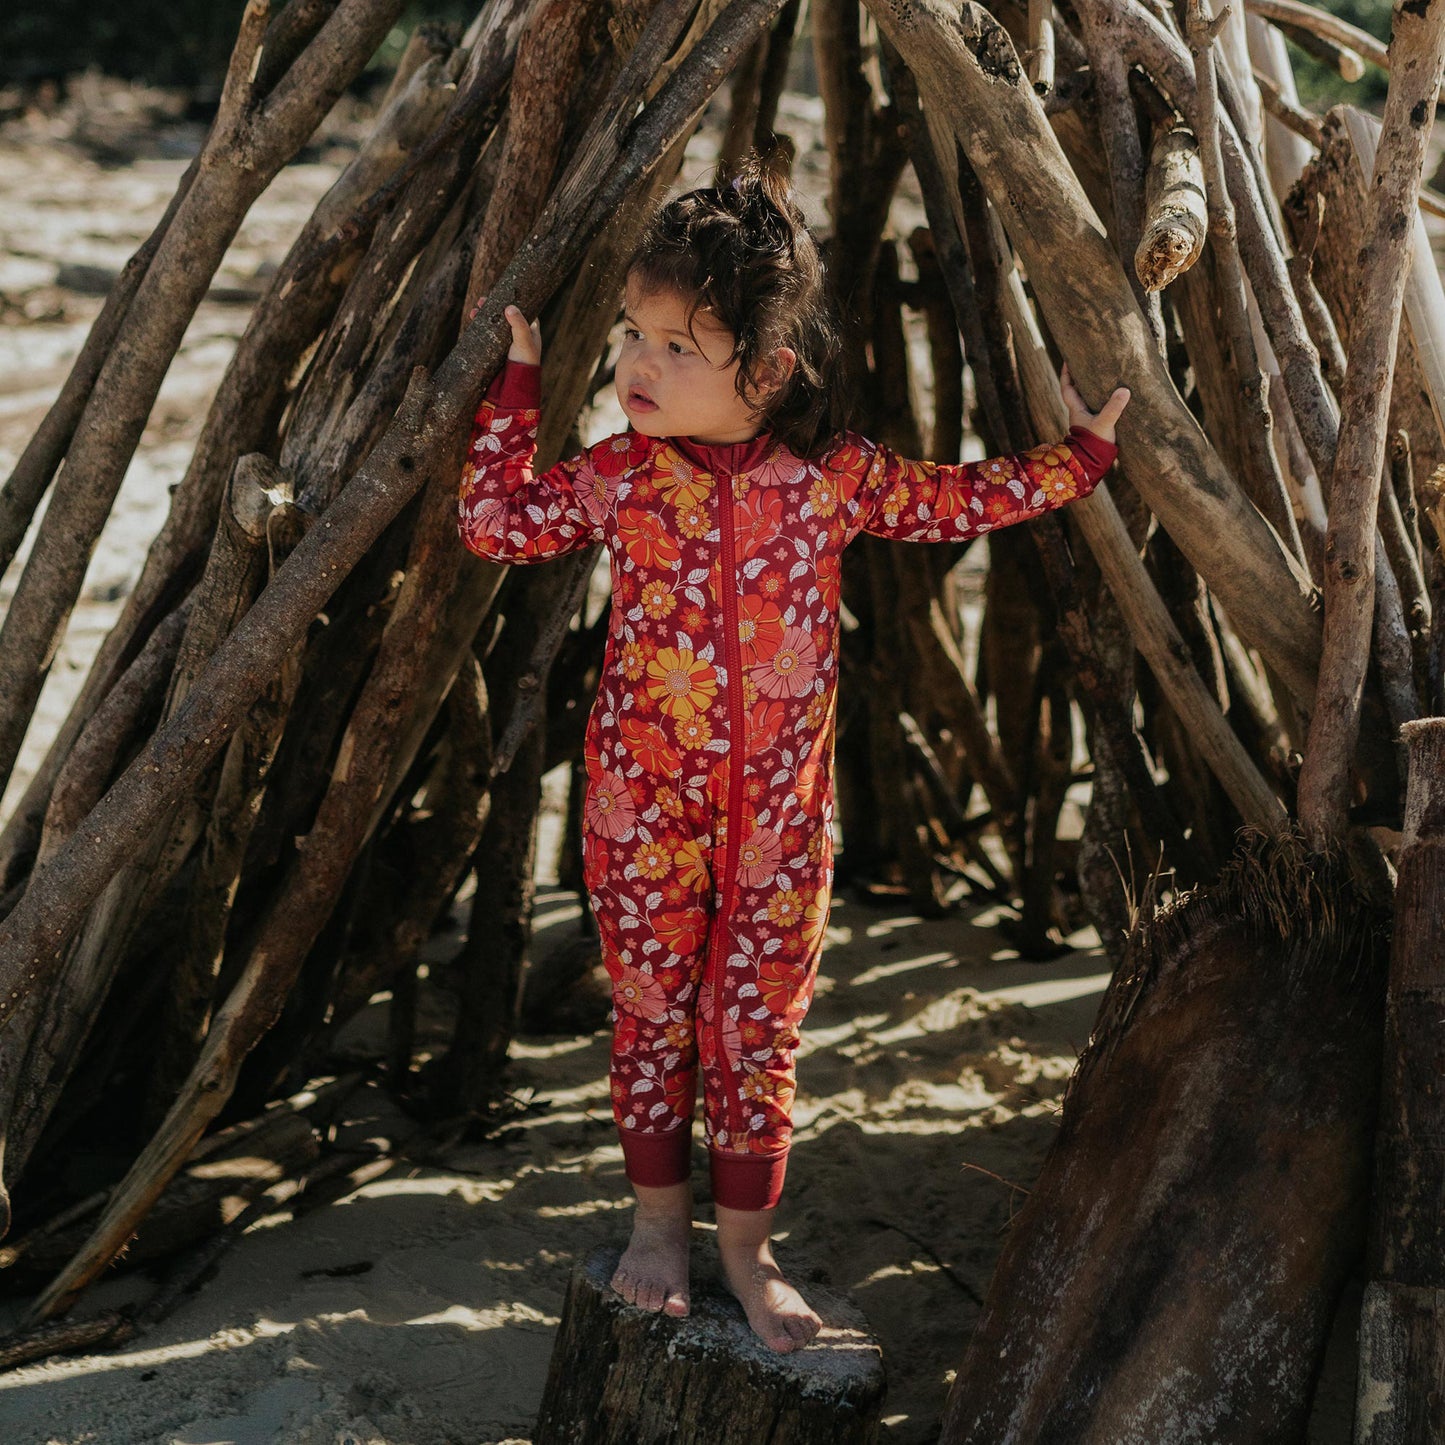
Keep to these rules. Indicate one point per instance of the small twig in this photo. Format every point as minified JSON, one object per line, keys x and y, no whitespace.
{"x":928,"y":1249}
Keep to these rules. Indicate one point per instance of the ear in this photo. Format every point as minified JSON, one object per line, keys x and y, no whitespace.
{"x":778,"y":368}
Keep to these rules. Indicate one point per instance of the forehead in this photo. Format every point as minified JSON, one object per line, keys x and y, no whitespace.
{"x":663,"y":309}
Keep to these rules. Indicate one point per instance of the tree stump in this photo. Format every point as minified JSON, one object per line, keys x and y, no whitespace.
{"x":624,"y":1376}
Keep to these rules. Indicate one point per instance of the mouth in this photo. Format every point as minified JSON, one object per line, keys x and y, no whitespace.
{"x":639,"y":399}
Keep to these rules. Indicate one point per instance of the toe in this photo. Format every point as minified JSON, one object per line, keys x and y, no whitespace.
{"x":619,"y":1283}
{"x":798,"y":1330}
{"x":676,"y":1304}
{"x":649,"y":1296}
{"x":782,"y":1343}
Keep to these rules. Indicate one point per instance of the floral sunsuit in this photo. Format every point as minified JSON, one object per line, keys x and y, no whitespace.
{"x":707,"y":850}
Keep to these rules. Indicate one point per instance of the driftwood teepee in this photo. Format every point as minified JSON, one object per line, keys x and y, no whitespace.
{"x":315,"y":697}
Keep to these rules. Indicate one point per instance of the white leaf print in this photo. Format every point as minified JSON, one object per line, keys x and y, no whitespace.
{"x":1016,"y":487}
{"x":694,"y":594}
{"x":657,"y":1111}
{"x":683,"y":643}
{"x":698,"y":574}
{"x":790,"y":616}
{"x":772,"y":945}
{"x":748,"y":990}
{"x":627,"y":903}
{"x":652,"y":901}
{"x":635,"y":614}
{"x":707,"y":653}
{"x":781,"y":776}
{"x":716,"y":745}
{"x":629,"y":922}
{"x":812,"y":596}
{"x":753,"y":566}
{"x":536,"y":514}
{"x":642,"y":1086}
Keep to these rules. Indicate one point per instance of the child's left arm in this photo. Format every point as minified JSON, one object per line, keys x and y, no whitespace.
{"x":917,"y":501}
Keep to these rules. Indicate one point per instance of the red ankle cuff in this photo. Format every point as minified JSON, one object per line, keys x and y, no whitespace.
{"x":657,"y":1161}
{"x":747,"y":1181}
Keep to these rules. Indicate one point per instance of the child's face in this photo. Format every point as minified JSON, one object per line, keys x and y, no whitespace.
{"x":674,"y":383}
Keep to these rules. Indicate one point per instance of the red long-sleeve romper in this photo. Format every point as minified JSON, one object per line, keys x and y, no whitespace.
{"x":707,"y":850}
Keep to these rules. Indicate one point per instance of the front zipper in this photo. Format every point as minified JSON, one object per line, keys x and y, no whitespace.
{"x":732,"y":650}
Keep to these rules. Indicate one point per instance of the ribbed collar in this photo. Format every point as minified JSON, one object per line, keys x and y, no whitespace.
{"x":727,"y":458}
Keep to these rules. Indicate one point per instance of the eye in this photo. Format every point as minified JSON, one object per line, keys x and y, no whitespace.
{"x":678,"y":348}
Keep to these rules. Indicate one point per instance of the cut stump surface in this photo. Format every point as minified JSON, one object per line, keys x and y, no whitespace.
{"x":624,"y":1376}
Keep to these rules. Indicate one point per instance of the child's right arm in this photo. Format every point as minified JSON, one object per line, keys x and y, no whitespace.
{"x":506,"y":510}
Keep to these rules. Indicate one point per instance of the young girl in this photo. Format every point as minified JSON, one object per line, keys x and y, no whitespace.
{"x":725,"y":508}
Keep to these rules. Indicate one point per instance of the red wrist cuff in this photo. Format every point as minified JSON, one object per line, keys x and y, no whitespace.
{"x":518,"y":385}
{"x":1096,"y":454}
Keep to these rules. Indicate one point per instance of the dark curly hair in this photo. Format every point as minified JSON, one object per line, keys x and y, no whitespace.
{"x":742,"y":251}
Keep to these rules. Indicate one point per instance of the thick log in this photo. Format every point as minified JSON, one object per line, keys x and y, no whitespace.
{"x":624,"y":1376}
{"x":1174,"y":1273}
{"x":1402,"y":1324}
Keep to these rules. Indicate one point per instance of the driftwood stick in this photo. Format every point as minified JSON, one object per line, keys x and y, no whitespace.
{"x":1266,"y":484}
{"x":1302,"y":122}
{"x":139,"y":693}
{"x":32,"y":474}
{"x":1040,"y":53}
{"x":1175,"y":216}
{"x":1297,"y":15}
{"x":1325,"y":796}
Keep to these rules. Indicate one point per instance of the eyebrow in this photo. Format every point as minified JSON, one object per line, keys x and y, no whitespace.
{"x":667,"y":330}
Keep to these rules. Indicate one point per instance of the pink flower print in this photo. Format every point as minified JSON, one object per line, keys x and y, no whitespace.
{"x":609,"y":808}
{"x":789,"y":671}
{"x":759,"y":857}
{"x":639,"y":993}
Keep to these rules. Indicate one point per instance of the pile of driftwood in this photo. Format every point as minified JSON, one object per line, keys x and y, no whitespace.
{"x":318,"y":717}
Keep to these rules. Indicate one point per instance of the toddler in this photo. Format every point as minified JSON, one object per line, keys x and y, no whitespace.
{"x":725,"y":508}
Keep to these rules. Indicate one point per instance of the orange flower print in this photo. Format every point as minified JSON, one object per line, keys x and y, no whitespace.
{"x":651,"y":860}
{"x":693,"y":521}
{"x":681,"y":482}
{"x":823,"y":495}
{"x":657,"y":600}
{"x":815,"y":917}
{"x":682,"y":683}
{"x":785,"y":907}
{"x":895,"y":503}
{"x":631,"y":659}
{"x":620,"y":453}
{"x":647,"y":538}
{"x":639,"y":993}
{"x":999,"y":508}
{"x":649,"y":747}
{"x":788,"y":671}
{"x":691,"y":862}
{"x":683,"y":931}
{"x":760,"y":627}
{"x":765,"y":722}
{"x":772,"y":582}
{"x":819,"y":706}
{"x":758,"y":858}
{"x":695,"y":733}
{"x":609,"y":808}
{"x":669,"y":802}
{"x":830,"y":580}
{"x":677,"y":1035}
{"x":758,"y":521}
{"x":778,"y":984}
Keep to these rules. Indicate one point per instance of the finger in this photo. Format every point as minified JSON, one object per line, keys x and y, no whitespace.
{"x":1118,"y":400}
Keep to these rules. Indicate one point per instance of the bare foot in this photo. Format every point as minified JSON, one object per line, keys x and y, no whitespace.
{"x":652,"y":1273}
{"x":779,"y":1315}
